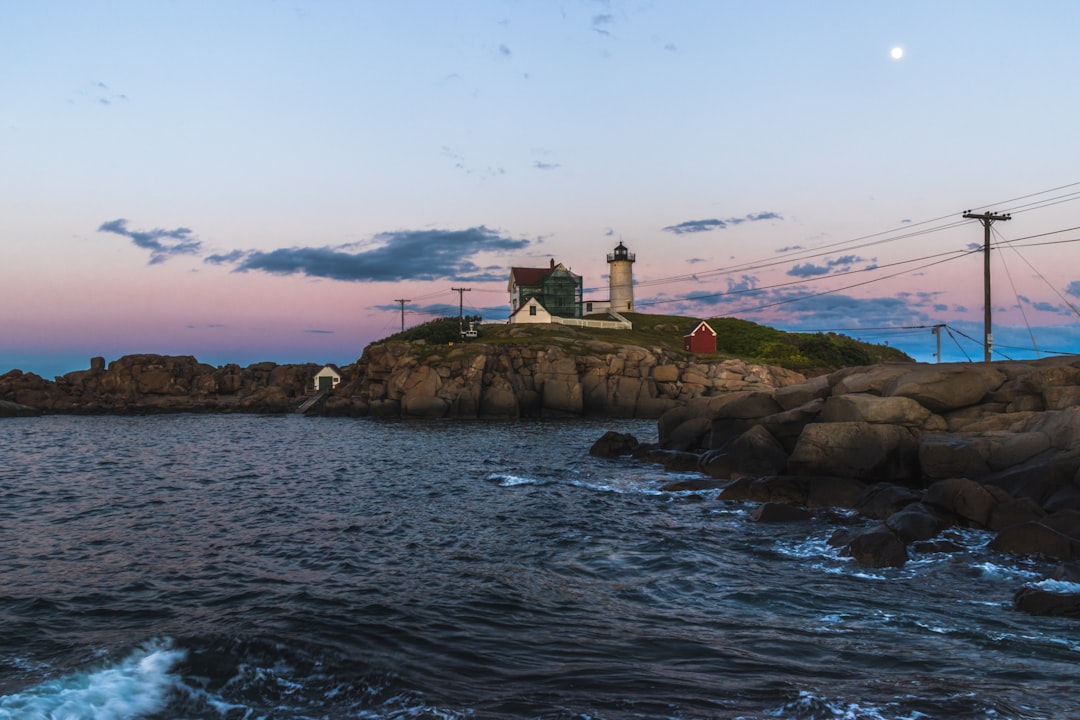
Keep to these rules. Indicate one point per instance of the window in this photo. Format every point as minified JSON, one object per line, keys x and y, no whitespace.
{"x":588,"y":307}
{"x":532,"y":309}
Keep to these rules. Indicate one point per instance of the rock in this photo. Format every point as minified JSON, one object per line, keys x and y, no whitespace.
{"x":1040,"y":601}
{"x":665,"y":373}
{"x":863,"y":407}
{"x":780,"y":513}
{"x":689,"y":435}
{"x":779,"y":489}
{"x":756,"y":452}
{"x":97,"y":363}
{"x":694,"y":485}
{"x":792,"y":396}
{"x":1033,"y":538}
{"x":873,"y":379}
{"x":877,"y":547}
{"x":786,"y":426}
{"x":715,"y":463}
{"x":829,"y":491}
{"x":945,"y":456}
{"x":936,"y":546}
{"x":614,"y":444}
{"x":946,"y":387}
{"x":883,"y":499}
{"x":13,"y":409}
{"x":864,"y":451}
{"x":917,"y":521}
{"x":672,"y":460}
{"x":964,"y":498}
{"x":740,"y":490}
{"x":1015,"y":512}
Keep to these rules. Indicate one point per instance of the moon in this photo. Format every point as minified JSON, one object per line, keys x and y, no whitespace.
{"x":897,"y":53}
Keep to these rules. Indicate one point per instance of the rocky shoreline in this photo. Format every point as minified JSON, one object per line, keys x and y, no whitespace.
{"x":402,"y":379}
{"x":913,"y":450}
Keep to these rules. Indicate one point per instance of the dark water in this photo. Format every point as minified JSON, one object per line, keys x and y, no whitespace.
{"x":288,"y":567}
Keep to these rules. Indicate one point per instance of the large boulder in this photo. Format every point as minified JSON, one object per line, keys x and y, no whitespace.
{"x":882,"y":500}
{"x":863,"y":407}
{"x":946,"y":387}
{"x":1034,"y":538}
{"x":13,"y":409}
{"x":614,"y":444}
{"x":942,"y":455}
{"x":831,"y":491}
{"x":756,"y":452}
{"x":1050,"y":598}
{"x":917,"y":521}
{"x":790,"y":397}
{"x":963,"y":498}
{"x":780,"y":513}
{"x":876,"y":547}
{"x":866,"y":451}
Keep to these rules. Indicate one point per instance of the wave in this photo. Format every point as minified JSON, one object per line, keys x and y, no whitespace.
{"x":137,"y":686}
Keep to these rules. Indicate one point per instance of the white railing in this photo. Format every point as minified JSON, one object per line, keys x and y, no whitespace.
{"x":620,"y":324}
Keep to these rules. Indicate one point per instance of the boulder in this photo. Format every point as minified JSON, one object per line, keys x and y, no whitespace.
{"x":780,"y":513}
{"x":1043,"y":600}
{"x":790,"y":397}
{"x":756,"y":452}
{"x":917,"y":521}
{"x":1033,"y":538}
{"x":14,"y":409}
{"x":946,"y":387}
{"x":1014,"y":512}
{"x":786,"y":426}
{"x":693,"y":485}
{"x":715,"y":463}
{"x":872,"y":379}
{"x":614,"y":444}
{"x":865,"y":451}
{"x":689,"y":435}
{"x":863,"y":407}
{"x":830,"y":491}
{"x":876,"y":547}
{"x":881,"y":500}
{"x":963,"y":498}
{"x":779,"y":489}
{"x":944,"y":456}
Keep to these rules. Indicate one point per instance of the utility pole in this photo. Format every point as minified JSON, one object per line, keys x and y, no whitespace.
{"x":987,"y":219}
{"x":937,"y":334}
{"x":461,"y":306}
{"x":402,"y":312}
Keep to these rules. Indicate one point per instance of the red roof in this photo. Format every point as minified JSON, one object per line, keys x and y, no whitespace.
{"x":529,"y":276}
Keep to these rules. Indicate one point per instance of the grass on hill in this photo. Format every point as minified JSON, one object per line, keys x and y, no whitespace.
{"x":734,"y":338}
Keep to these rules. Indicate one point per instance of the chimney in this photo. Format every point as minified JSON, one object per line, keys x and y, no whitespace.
{"x":552,"y":263}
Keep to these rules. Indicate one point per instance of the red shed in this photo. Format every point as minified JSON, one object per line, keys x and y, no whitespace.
{"x":702,"y":339}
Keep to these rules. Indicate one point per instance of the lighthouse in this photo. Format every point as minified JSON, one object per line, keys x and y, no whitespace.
{"x":621,"y":278}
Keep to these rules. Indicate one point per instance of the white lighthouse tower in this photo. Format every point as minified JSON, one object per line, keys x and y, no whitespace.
{"x":621,"y":278}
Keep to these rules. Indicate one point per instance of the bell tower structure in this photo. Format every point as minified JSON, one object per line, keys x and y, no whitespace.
{"x":621,"y":278}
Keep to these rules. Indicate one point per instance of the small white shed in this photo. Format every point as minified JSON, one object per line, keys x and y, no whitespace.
{"x":327,"y":379}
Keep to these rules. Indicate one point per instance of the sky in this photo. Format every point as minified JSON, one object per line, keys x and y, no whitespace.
{"x":259,"y":180}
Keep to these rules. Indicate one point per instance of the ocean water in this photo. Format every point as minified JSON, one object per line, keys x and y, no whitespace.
{"x":241,"y":567}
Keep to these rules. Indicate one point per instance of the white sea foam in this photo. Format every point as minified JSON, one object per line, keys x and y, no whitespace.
{"x":994,"y":571}
{"x":1058,"y":586}
{"x":135,"y":687}
{"x":505,"y":480}
{"x":812,"y":707}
